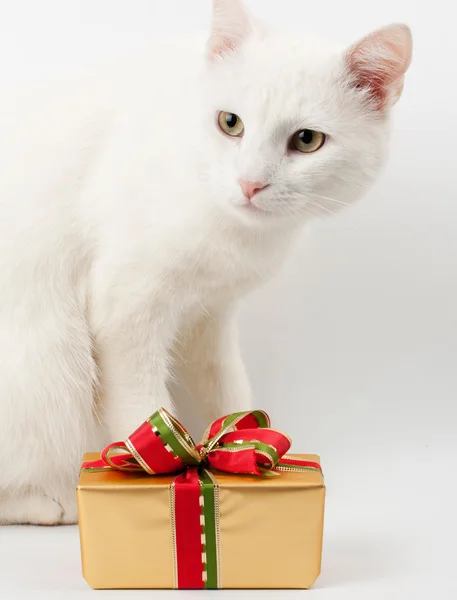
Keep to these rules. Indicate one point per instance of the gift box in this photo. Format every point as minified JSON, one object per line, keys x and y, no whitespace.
{"x":236,"y":511}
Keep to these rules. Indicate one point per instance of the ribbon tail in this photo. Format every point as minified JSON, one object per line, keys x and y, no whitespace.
{"x":292,"y":463}
{"x":95,"y":465}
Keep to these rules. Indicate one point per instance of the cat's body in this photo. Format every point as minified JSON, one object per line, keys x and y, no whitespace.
{"x":125,"y":240}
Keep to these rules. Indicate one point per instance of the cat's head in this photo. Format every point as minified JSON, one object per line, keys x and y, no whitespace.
{"x":297,"y":127}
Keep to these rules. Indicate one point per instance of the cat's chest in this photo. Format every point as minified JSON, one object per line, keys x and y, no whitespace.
{"x":213,"y":269}
{"x":207,"y":286}
{"x":218,"y":268}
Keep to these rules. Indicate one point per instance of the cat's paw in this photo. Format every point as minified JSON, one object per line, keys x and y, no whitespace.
{"x":69,"y":510}
{"x":45,"y":511}
{"x":30,"y":510}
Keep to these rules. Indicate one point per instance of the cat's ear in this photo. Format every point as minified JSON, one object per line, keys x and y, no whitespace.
{"x":378,"y":64}
{"x":231,"y":25}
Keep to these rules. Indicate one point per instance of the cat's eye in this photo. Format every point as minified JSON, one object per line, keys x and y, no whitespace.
{"x":231,"y":124}
{"x":307,"y":140}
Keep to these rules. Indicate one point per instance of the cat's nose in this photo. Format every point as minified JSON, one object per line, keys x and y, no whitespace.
{"x":250,"y":188}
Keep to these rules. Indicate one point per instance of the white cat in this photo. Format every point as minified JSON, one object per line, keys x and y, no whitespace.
{"x":138,"y":206}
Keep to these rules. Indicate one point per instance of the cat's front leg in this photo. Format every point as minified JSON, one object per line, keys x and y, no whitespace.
{"x":134,"y":372}
{"x":211,"y":365}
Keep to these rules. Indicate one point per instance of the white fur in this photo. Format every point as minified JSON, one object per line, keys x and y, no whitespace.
{"x":125,"y":240}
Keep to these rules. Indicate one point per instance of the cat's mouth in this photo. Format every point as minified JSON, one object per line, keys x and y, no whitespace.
{"x":255,"y":205}
{"x":253,"y":209}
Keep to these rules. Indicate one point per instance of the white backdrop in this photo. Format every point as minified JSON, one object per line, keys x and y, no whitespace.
{"x":356,"y":342}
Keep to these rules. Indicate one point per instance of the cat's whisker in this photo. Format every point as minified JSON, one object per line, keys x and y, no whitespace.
{"x":298,"y":211}
{"x":319,"y":206}
{"x":328,"y":199}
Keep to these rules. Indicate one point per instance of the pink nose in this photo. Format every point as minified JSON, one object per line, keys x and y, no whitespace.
{"x":250,"y":188}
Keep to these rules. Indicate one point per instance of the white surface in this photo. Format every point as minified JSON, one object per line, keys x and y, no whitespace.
{"x":355,"y":343}
{"x":387,"y":537}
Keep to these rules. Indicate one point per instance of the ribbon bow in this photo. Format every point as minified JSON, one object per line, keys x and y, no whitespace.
{"x":237,"y":443}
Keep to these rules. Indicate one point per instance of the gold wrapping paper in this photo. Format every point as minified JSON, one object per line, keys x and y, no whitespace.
{"x":271,"y":529}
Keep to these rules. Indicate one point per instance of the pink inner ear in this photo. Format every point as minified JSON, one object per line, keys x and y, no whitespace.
{"x":230,"y":27}
{"x":221,"y":47}
{"x":379,"y":63}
